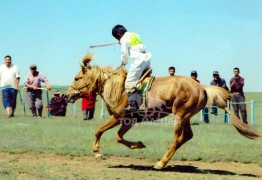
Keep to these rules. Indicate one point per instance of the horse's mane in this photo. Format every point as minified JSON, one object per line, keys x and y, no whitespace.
{"x":112,"y":82}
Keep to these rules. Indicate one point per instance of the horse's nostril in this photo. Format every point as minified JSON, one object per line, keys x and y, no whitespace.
{"x":64,"y":96}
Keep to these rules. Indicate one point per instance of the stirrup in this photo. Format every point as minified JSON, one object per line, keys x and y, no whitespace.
{"x":130,"y":109}
{"x":142,"y":107}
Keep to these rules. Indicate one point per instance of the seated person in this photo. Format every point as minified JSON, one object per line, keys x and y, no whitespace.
{"x":57,"y":106}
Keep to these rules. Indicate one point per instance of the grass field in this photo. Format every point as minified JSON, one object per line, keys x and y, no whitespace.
{"x":73,"y":137}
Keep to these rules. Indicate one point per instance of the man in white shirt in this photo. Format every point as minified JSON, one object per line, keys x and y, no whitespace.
{"x":132,"y":46}
{"x":9,"y":76}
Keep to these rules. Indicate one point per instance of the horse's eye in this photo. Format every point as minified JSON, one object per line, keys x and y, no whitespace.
{"x":77,"y":78}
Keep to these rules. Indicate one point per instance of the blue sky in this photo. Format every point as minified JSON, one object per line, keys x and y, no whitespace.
{"x":201,"y":35}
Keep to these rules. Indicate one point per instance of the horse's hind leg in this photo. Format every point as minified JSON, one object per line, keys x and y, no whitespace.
{"x":182,"y":133}
{"x":110,"y":123}
{"x":123,"y":129}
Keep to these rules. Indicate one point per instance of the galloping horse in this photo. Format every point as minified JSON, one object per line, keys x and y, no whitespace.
{"x":178,"y":95}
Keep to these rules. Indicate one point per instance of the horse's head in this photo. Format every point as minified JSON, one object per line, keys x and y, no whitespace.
{"x":80,"y":86}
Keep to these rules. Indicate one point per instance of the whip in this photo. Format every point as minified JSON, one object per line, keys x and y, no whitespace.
{"x":102,"y":45}
{"x":94,"y":46}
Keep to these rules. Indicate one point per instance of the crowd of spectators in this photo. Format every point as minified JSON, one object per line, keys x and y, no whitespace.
{"x":236,"y":90}
{"x":10,"y":78}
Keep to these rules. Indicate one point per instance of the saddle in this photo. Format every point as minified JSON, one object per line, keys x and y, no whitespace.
{"x":143,"y":86}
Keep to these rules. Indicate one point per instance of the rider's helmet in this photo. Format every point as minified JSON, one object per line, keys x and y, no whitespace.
{"x":118,"y":29}
{"x":194,"y":73}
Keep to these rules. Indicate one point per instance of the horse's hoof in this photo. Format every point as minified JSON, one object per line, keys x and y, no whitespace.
{"x":140,"y":145}
{"x":159,"y":165}
{"x":98,"y":156}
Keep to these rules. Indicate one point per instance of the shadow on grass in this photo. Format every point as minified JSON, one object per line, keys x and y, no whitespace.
{"x":182,"y":169}
{"x":195,"y":124}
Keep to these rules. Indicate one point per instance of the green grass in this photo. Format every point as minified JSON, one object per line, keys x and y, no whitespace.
{"x":74,"y":137}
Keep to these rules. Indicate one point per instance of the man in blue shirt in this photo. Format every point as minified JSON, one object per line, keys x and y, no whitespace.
{"x":217,"y":81}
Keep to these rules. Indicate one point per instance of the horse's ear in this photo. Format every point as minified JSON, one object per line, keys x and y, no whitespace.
{"x":87,"y":59}
{"x":88,"y":67}
{"x":83,"y":68}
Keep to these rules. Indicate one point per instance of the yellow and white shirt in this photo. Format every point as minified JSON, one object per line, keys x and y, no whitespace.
{"x":132,"y":46}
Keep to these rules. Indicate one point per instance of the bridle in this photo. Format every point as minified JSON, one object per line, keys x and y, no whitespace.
{"x":100,"y":84}
{"x":81,"y":87}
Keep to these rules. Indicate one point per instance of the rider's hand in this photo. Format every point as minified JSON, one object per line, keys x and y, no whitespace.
{"x":48,"y":87}
{"x":123,"y":64}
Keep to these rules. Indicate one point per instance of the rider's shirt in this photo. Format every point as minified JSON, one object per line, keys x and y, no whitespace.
{"x":132,"y":46}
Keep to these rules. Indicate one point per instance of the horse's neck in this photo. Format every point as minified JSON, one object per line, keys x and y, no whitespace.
{"x":101,"y":81}
{"x":111,"y":86}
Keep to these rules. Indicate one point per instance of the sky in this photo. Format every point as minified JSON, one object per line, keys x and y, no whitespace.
{"x":201,"y":35}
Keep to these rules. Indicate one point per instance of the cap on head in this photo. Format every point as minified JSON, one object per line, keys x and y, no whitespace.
{"x":193,"y":73}
{"x":118,"y":29}
{"x":215,"y":72}
{"x":57,"y":92}
{"x":32,"y":66}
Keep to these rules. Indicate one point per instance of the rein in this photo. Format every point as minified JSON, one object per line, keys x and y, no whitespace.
{"x":92,"y":89}
{"x":82,"y":86}
{"x":114,"y":73}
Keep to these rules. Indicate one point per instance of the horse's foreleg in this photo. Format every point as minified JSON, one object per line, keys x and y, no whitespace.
{"x":119,"y":137}
{"x":182,"y":133}
{"x":110,"y":123}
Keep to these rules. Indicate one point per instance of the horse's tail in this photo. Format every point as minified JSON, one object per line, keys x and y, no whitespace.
{"x":241,"y":127}
{"x":219,"y":96}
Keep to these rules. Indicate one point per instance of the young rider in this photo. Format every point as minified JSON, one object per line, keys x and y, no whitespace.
{"x":132,"y":46}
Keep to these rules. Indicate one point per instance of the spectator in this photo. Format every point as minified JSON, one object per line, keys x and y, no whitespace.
{"x":194,"y":76}
{"x":34,"y":94}
{"x":58,"y":105}
{"x":238,"y":97}
{"x":9,"y":76}
{"x":172,"y":70}
{"x":218,"y":81}
{"x":205,"y":109}
{"x":88,"y":106}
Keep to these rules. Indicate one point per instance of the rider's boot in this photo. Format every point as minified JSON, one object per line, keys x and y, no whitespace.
{"x":132,"y":103}
{"x":142,"y":107}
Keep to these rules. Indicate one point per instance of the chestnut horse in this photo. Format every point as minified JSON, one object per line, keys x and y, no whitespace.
{"x":181,"y":96}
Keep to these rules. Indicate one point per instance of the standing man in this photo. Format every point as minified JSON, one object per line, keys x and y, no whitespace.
{"x":205,"y":109}
{"x":172,"y":70}
{"x":238,"y":97}
{"x":218,"y":81}
{"x":34,"y":94}
{"x":9,"y":76}
{"x":194,"y":76}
